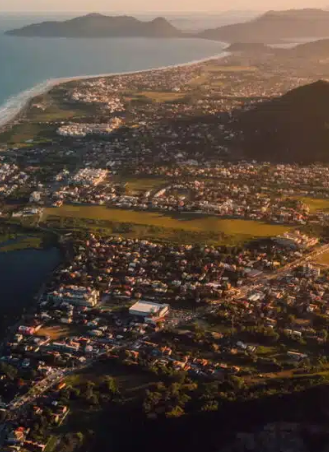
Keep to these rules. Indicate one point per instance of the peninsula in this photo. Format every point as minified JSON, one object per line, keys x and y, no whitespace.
{"x":100,"y":26}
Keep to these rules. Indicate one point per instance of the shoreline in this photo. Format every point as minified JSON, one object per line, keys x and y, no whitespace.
{"x":13,"y":109}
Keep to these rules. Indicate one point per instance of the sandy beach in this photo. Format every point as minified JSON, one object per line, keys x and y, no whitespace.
{"x":11,"y":110}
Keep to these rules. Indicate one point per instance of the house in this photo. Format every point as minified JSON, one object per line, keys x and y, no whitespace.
{"x":16,"y":436}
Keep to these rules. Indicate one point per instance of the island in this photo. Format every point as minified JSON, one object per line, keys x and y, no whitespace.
{"x":100,"y":26}
{"x":189,"y":308}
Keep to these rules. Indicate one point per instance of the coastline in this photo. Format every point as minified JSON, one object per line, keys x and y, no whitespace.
{"x":14,"y":108}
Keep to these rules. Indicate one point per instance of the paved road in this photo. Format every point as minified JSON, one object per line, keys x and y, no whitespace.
{"x":57,"y":376}
{"x":184,"y":317}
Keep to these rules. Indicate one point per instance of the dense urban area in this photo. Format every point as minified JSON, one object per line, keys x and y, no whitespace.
{"x":193,"y":278}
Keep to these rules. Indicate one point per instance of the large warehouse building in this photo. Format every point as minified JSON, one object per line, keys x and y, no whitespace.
{"x":148,"y":309}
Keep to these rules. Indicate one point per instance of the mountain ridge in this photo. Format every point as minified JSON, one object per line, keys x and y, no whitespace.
{"x":98,"y":26}
{"x":274,"y":26}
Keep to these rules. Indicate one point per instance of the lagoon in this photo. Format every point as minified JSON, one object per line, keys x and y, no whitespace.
{"x":22,"y":274}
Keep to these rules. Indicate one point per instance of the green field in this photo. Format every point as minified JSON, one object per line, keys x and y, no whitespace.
{"x":154,"y":96}
{"x":241,"y":230}
{"x":137,"y":185}
{"x":39,"y":124}
{"x":198,"y":81}
{"x":216,"y":68}
{"x":22,"y":243}
{"x":316,"y":204}
{"x":24,"y":131}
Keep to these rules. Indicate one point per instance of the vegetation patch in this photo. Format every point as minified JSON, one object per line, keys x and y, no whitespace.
{"x":23,"y":243}
{"x":240,"y":229}
{"x":159,"y":96}
{"x":24,"y":132}
{"x":134,"y":184}
{"x":216,"y":68}
{"x":316,"y":204}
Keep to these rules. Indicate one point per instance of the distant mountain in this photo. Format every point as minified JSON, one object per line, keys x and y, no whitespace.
{"x":198,"y":22}
{"x":274,"y":26}
{"x":291,"y":128}
{"x":100,"y":26}
{"x":248,"y":47}
{"x":314,"y":49}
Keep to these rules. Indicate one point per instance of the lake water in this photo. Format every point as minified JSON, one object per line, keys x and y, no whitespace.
{"x":27,"y":62}
{"x":22,"y":273}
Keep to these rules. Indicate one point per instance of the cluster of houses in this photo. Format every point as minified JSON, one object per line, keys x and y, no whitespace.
{"x":81,"y":130}
{"x":98,"y":92}
{"x":225,"y":199}
{"x":11,"y":178}
{"x":131,"y":269}
{"x":89,"y":176}
{"x":287,"y":179}
{"x":118,"y":295}
{"x":18,"y":434}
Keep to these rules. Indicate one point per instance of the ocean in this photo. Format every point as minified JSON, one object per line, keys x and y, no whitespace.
{"x":30,"y":63}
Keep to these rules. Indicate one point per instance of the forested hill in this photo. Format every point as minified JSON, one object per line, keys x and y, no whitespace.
{"x":291,"y":128}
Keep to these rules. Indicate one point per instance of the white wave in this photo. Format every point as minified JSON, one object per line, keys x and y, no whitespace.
{"x":14,"y":105}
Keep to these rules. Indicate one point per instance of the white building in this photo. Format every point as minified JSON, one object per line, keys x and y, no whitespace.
{"x":148,"y":309}
{"x":35,"y":196}
{"x":75,"y":295}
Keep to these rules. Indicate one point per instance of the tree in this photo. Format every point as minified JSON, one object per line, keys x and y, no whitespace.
{"x":80,"y":437}
{"x":211,"y":405}
{"x":176,"y":411}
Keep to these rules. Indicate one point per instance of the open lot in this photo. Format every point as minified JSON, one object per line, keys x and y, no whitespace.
{"x":55,"y":332}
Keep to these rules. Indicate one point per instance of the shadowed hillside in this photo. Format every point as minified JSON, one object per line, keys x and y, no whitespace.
{"x":291,"y":128}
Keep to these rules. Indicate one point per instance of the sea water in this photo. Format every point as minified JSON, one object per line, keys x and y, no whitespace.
{"x":27,"y":63}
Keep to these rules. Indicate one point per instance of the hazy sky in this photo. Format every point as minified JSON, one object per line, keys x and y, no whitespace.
{"x":154,"y":5}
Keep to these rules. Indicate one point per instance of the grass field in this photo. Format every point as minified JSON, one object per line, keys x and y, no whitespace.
{"x":158,"y":96}
{"x":137,"y":185}
{"x":323,"y":259}
{"x":316,"y":204}
{"x":244,"y":230}
{"x":216,"y":68}
{"x":197,"y":81}
{"x":24,"y":131}
{"x":39,"y":124}
{"x":22,"y":243}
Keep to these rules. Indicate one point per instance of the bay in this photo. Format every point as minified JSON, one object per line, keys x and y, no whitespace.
{"x":27,"y":62}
